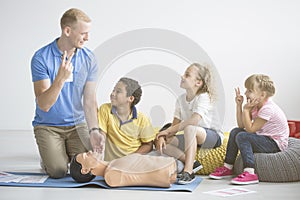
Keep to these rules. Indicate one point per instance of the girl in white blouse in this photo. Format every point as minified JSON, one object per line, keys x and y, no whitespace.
{"x":195,"y":115}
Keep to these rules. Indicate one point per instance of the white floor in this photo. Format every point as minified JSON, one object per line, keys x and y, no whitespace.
{"x":18,"y":152}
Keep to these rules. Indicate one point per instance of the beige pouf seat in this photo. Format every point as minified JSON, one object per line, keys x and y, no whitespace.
{"x":276,"y":167}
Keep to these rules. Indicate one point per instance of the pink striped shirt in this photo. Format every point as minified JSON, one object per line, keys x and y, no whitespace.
{"x":276,"y":126}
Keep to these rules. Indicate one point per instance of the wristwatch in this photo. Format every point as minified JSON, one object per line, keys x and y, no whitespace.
{"x":93,"y":129}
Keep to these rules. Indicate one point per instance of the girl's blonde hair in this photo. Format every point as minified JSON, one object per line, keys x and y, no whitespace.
{"x":204,"y":74}
{"x":263,"y":82}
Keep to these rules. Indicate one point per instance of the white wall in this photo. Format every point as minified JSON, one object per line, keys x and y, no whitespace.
{"x":240,"y":38}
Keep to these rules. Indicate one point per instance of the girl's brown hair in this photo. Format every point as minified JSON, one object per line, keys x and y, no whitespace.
{"x":204,"y":74}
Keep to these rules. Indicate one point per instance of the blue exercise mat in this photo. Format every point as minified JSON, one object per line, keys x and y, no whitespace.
{"x":68,"y":182}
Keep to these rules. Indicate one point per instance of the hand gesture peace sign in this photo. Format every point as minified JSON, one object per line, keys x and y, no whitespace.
{"x":66,"y":67}
{"x":238,"y":97}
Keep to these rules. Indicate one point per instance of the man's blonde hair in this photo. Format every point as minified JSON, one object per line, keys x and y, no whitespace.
{"x":72,"y":16}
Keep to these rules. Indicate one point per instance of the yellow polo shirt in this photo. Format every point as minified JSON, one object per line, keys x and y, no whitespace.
{"x":124,"y":138}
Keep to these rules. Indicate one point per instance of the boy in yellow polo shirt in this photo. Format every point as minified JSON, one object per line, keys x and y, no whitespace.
{"x":127,"y":130}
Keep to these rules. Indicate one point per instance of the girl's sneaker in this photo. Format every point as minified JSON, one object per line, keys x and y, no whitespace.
{"x":186,"y":178}
{"x":221,"y":172}
{"x":196,"y":167}
{"x":245,"y":178}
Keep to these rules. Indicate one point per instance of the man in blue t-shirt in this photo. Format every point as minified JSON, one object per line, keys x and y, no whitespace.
{"x":64,"y":75}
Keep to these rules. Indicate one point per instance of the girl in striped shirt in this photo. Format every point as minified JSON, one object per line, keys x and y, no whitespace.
{"x":262,"y":128}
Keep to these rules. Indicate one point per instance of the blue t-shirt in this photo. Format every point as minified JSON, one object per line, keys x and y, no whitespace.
{"x":68,"y":109}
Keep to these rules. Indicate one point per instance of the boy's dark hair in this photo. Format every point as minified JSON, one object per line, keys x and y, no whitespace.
{"x":132,"y":89}
{"x":75,"y":172}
